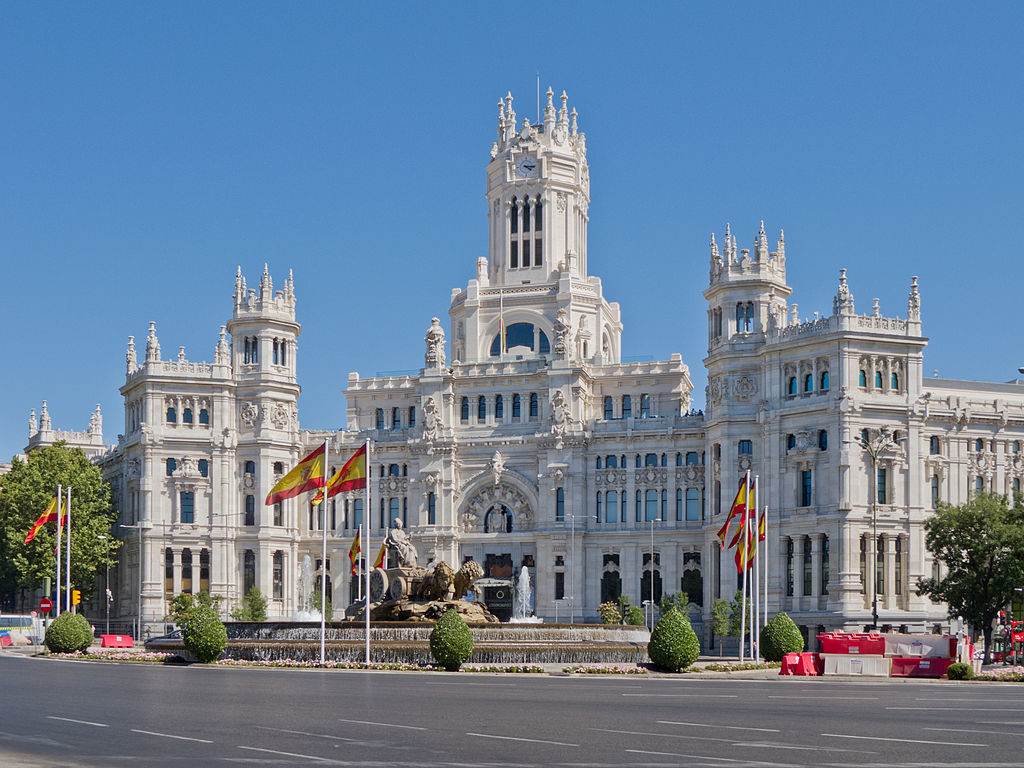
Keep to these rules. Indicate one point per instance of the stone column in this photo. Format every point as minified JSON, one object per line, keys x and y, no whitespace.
{"x":798,"y":570}
{"x":784,"y":599}
{"x":890,"y":572}
{"x":176,"y":554}
{"x":816,"y":570}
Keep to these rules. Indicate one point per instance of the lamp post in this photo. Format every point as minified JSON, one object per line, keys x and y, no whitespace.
{"x":875,"y":448}
{"x":572,"y":569}
{"x":106,"y":582}
{"x":138,"y":629}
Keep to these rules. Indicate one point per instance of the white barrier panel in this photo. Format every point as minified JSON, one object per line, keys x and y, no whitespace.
{"x":868,"y":666}
{"x":920,"y":646}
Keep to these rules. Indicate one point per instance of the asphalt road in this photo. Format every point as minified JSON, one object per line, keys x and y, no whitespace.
{"x":67,"y":713}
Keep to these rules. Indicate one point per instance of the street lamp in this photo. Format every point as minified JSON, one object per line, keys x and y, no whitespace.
{"x":138,"y":527}
{"x":106,"y":583}
{"x":882,"y":443}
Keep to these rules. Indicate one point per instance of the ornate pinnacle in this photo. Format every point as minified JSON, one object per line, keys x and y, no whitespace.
{"x":914,"y":301}
{"x":152,"y":344}
{"x":572,"y":127}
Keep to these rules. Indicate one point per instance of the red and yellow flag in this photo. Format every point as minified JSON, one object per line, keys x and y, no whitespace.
{"x":350,"y":477}
{"x":49,"y":516}
{"x":746,"y":551}
{"x":379,"y":562}
{"x":739,"y":504}
{"x":305,"y":476}
{"x":354,"y":550}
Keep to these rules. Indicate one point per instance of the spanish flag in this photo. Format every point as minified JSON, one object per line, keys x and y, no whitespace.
{"x":305,"y":476}
{"x":739,"y":504}
{"x":354,"y":550}
{"x":49,"y":516}
{"x":379,"y":562}
{"x":350,"y":477}
{"x":746,"y":550}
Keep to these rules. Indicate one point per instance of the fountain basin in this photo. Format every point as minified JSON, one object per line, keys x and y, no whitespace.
{"x":409,"y":642}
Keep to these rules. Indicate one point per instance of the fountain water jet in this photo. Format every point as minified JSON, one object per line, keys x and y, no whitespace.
{"x":521,"y":612}
{"x":307,"y":611}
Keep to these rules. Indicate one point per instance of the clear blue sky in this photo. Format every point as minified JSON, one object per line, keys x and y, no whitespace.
{"x":150,"y":148}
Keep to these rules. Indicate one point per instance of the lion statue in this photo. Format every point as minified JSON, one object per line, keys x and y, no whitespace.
{"x":438,"y":583}
{"x":470,"y":571}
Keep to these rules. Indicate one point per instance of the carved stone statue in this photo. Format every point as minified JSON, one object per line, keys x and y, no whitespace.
{"x":431,"y":420}
{"x":561,"y":328}
{"x":435,"y":357}
{"x":470,"y":571}
{"x":438,"y":584}
{"x":497,"y":465}
{"x":401,"y":551}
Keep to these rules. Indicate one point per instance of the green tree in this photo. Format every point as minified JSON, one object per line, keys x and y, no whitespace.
{"x":26,"y":491}
{"x":981,"y":545}
{"x":316,"y":603}
{"x":673,"y":645}
{"x":736,"y":610}
{"x":720,"y":618}
{"x":253,"y":607}
{"x":183,"y":605}
{"x":779,"y":637}
{"x":451,"y":642}
{"x":678,"y":600}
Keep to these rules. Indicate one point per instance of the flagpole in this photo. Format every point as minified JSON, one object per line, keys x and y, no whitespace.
{"x":501,"y":320}
{"x":757,"y":575}
{"x":56,"y":593}
{"x":322,"y":514}
{"x":366,"y":519}
{"x":766,"y":564}
{"x":67,"y":576}
{"x":743,"y":605}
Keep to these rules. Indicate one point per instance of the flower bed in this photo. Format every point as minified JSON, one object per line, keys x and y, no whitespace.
{"x":605,"y":669}
{"x":1003,"y":675}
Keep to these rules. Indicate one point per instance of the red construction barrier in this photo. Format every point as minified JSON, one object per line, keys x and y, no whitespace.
{"x":116,"y":641}
{"x":5,"y":640}
{"x":865,"y":645}
{"x":802,"y":664}
{"x":918,"y":667}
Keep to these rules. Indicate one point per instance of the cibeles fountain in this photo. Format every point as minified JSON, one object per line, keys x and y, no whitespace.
{"x":405,"y":601}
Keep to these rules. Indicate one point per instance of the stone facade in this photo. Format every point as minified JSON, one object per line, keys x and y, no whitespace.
{"x":527,"y":438}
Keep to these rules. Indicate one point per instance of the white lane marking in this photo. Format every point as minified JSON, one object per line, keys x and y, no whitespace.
{"x":305,"y":733}
{"x":961,"y":709}
{"x":733,"y":742}
{"x":685,"y":695}
{"x":463,"y":684}
{"x":386,"y":725}
{"x":520,"y":738}
{"x":999,"y":722}
{"x":831,"y":698}
{"x":171,"y":736}
{"x":703,"y":757}
{"x":80,"y":722}
{"x":907,"y":741}
{"x":975,"y":730}
{"x":987,"y":698}
{"x":716,"y":725}
{"x":288,"y":754}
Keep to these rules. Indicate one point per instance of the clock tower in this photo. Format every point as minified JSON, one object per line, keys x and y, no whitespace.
{"x":534,"y":283}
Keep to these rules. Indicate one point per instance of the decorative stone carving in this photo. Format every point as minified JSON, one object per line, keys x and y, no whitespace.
{"x":32,"y":426}
{"x":401,"y":551}
{"x":222,"y":354}
{"x":187,"y":468}
{"x":250,"y":413}
{"x":559,"y":418}
{"x":432,"y":424}
{"x":280,"y":415}
{"x":745,"y":462}
{"x":745,"y":387}
{"x":435,"y":356}
{"x":130,"y":359}
{"x":561,"y":328}
{"x":133,"y":468}
{"x":497,"y":466}
{"x":393,"y":485}
{"x":491,"y":495}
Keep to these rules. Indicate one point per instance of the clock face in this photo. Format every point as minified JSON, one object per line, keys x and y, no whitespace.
{"x":527,"y":167}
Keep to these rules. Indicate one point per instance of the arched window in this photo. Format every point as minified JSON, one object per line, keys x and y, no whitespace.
{"x":692,"y":504}
{"x":172,"y":465}
{"x":934,"y":446}
{"x":1016,"y":446}
{"x":560,"y":504}
{"x":169,"y":571}
{"x":894,"y":381}
{"x":979,"y":484}
{"x":608,"y":408}
{"x":186,"y":416}
{"x":538,"y":222}
{"x":823,"y":439}
{"x":611,"y":507}
{"x":464,"y":414}
{"x":517,"y":406}
{"x":809,"y":382}
{"x":679,"y":459}
{"x":412,"y":416}
{"x":748,"y":324}
{"x":692,"y":460}
{"x":514,"y":218}
{"x":204,"y":468}
{"x":664,"y":460}
{"x":627,"y":407}
{"x":862,"y":379}
{"x":645,"y":406}
{"x":740,"y":315}
{"x":979,"y":444}
{"x":598,"y":464}
{"x":935,"y":491}
{"x":499,"y":407}
{"x":172,"y":417}
{"x":878,"y":379}
{"x":538,"y":225}
{"x":431,"y":508}
{"x":278,"y":576}
{"x":824,"y":380}
{"x":248,"y":571}
{"x":481,"y":408}
{"x":396,"y":418}
{"x":498,"y":519}
{"x":792,"y":385}
{"x":521,"y":335}
{"x":394,"y":511}
{"x":790,"y":442}
{"x":513,"y":246}
{"x":526,"y":220}
{"x":534,"y":405}
{"x":380,"y":418}
{"x":650,"y":460}
{"x":250,"y":468}
{"x":624,"y":503}
{"x":204,"y":416}
{"x":612,"y":462}
{"x":745,"y":448}
{"x":250,"y":509}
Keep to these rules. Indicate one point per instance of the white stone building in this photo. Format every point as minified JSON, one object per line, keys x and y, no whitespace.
{"x":529,"y":438}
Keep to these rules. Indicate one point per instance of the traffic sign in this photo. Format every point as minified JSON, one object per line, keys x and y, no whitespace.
{"x":46,"y":605}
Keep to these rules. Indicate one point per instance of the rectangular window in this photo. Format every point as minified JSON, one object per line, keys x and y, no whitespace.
{"x":597,"y":515}
{"x":431,"y":508}
{"x":789,"y":568}
{"x":692,"y":500}
{"x":559,"y":585}
{"x":278,"y":514}
{"x":533,"y":405}
{"x":880,"y":566}
{"x":357,"y":513}
{"x":526,"y":253}
{"x":560,"y":505}
{"x":537,"y":250}
{"x":412,"y":416}
{"x":746,"y":447}
{"x":278,"y":576}
{"x":691,"y":459}
{"x":805,"y":488}
{"x":187,"y":500}
{"x":611,"y":503}
{"x":679,"y":504}
{"x":824,"y":565}
{"x":882,"y":496}
{"x":513,"y":254}
{"x":250,"y":510}
{"x":204,"y":570}
{"x":863,"y":565}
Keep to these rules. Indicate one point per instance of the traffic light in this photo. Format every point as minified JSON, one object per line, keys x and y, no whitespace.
{"x":76,"y":596}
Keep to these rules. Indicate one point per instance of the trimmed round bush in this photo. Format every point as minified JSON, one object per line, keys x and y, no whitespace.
{"x":68,"y":633}
{"x":204,"y":635}
{"x":779,"y":637}
{"x":635,"y":616}
{"x":451,"y":642}
{"x":960,"y":671}
{"x":609,"y":613}
{"x":673,"y":645}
